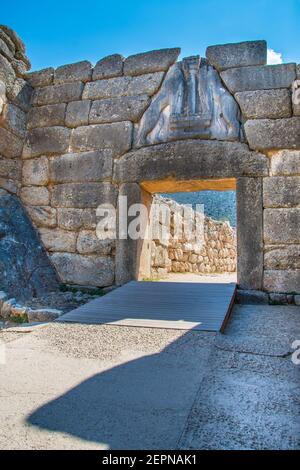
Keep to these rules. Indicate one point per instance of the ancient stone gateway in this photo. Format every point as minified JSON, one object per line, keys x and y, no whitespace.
{"x":78,"y":136}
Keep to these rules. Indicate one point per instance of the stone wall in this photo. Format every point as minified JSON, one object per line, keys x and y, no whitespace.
{"x":215,"y":254}
{"x":94,"y":132}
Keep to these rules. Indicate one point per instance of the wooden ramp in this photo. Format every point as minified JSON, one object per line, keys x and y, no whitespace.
{"x":173,"y":305}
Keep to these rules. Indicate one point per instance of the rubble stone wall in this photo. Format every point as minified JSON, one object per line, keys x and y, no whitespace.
{"x":216,"y":253}
{"x":93,"y":132}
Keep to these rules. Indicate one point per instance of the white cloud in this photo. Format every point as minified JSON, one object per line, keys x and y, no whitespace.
{"x":274,"y":57}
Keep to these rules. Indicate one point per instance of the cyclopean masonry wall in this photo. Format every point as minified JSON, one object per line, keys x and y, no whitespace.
{"x":214,"y":253}
{"x":148,"y":124}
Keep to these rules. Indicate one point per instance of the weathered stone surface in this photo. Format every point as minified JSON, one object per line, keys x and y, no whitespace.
{"x":84,"y":196}
{"x":49,"y":115}
{"x":240,"y":54}
{"x":41,"y":78}
{"x":6,"y":308}
{"x":42,"y":216}
{"x":46,"y":141}
{"x":282,"y":281}
{"x":58,"y":240}
{"x":81,"y":167}
{"x":20,"y":94}
{"x":35,"y":171}
{"x":282,"y":257}
{"x":269,"y":104}
{"x":57,"y":94}
{"x":298,"y":70}
{"x":115,"y":136}
{"x":35,"y":195}
{"x":190,"y":160}
{"x":20,"y":67}
{"x":108,"y":67}
{"x":13,"y":119}
{"x":8,"y":41}
{"x":127,"y":108}
{"x":282,"y":191}
{"x":281,"y":226}
{"x":251,"y":297}
{"x":9,"y":185}
{"x":285,"y":163}
{"x":25,"y":270}
{"x":267,"y":134}
{"x":149,"y":62}
{"x":84,"y":270}
{"x":297,"y":299}
{"x":123,"y":86}
{"x":296,"y":97}
{"x":10,"y":144}
{"x":259,"y":77}
{"x":5,"y":50}
{"x":10,"y":168}
{"x":7,"y":74}
{"x":249,"y":213}
{"x":15,"y":38}
{"x":43,"y":315}
{"x":79,"y":71}
{"x":278,"y":299}
{"x":78,"y":113}
{"x":88,"y":243}
{"x":127,"y":249}
{"x":74,"y":219}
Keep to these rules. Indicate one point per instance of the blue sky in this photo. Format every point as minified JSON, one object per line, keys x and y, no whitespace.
{"x":59,"y":32}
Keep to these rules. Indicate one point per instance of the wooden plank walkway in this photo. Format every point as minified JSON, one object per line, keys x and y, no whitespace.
{"x":181,"y":305}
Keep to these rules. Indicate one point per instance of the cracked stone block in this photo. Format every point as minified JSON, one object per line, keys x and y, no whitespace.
{"x":74,"y":219}
{"x":259,"y":77}
{"x":73,"y":72}
{"x":10,"y":144}
{"x":14,"y":120}
{"x":92,"y":270}
{"x":89,"y":243}
{"x":285,"y":163}
{"x":46,"y":141}
{"x":78,"y":113}
{"x":126,"y":108}
{"x":35,"y":171}
{"x":49,"y":115}
{"x":282,"y":257}
{"x":281,"y":226}
{"x":58,"y":240}
{"x":268,"y":134}
{"x":281,"y":191}
{"x":108,"y":67}
{"x":81,"y":167}
{"x":35,"y":196}
{"x":57,"y":94}
{"x":41,"y":78}
{"x":283,"y":281}
{"x":259,"y":104}
{"x":42,"y":216}
{"x":240,"y":54}
{"x":149,"y":62}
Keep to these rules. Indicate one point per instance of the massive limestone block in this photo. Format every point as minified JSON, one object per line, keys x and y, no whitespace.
{"x":123,"y":86}
{"x":282,"y":281}
{"x":281,"y":226}
{"x":78,"y":113}
{"x":9,"y":43}
{"x":44,"y":116}
{"x":13,"y":119}
{"x":9,"y":185}
{"x":250,"y":242}
{"x":267,"y":134}
{"x":108,"y":67}
{"x":88,"y":243}
{"x":41,"y":78}
{"x":269,"y":104}
{"x":74,"y":219}
{"x":35,"y":195}
{"x":83,"y":196}
{"x":35,"y":171}
{"x":7,"y":74}
{"x":79,"y":71}
{"x":126,"y":108}
{"x":84,"y":270}
{"x":240,"y":54}
{"x":10,"y":168}
{"x":152,"y":61}
{"x":10,"y":144}
{"x":282,"y":257}
{"x":58,"y":240}
{"x":282,"y":191}
{"x":46,"y":141}
{"x":57,"y":94}
{"x":115,"y":136}
{"x":81,"y":167}
{"x":20,"y":94}
{"x":259,"y":77}
{"x":285,"y":163}
{"x":190,"y":160}
{"x":42,"y":216}
{"x":25,"y":270}
{"x":192,"y":103}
